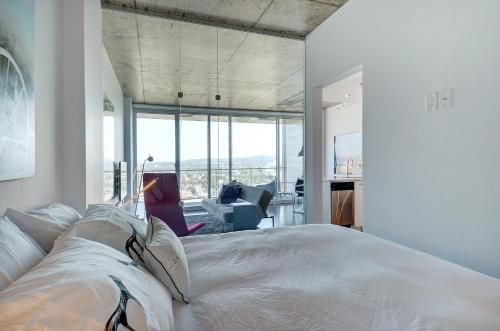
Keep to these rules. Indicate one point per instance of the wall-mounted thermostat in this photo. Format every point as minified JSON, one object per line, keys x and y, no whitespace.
{"x":439,"y":100}
{"x":445,"y":99}
{"x":431,"y":101}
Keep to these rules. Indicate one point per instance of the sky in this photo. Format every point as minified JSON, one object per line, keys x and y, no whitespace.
{"x":157,"y":137}
{"x":349,"y":146}
{"x":109,"y":138}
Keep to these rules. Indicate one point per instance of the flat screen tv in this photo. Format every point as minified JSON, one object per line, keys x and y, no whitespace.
{"x":120,"y":180}
{"x":348,"y":148}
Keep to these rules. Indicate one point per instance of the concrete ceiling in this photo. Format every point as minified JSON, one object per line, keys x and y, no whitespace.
{"x":346,"y":92}
{"x":156,"y":57}
{"x":293,"y":17}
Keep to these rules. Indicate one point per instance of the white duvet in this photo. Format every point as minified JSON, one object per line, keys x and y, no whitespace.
{"x":321,"y":277}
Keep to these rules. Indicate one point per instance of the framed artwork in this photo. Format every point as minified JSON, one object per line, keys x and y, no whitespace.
{"x":348,"y":149}
{"x":17,"y":90}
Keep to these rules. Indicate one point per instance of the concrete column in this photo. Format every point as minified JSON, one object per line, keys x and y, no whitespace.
{"x":313,"y":198}
{"x":129,"y":142}
{"x":82,"y":103}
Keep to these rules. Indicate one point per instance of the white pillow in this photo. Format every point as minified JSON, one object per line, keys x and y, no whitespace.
{"x":18,"y":252}
{"x":44,"y":225}
{"x":84,"y":285}
{"x":114,"y":227}
{"x":165,"y":258}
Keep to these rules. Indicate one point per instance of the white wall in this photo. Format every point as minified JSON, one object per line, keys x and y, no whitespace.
{"x":45,"y":186}
{"x":82,"y":103}
{"x":73,"y":106}
{"x":68,"y":82}
{"x":431,"y":179}
{"x":113,"y":90}
{"x":93,"y":101}
{"x":128,"y":141}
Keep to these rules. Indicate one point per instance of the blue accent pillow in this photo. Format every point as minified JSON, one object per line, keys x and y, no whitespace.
{"x":222,"y":189}
{"x":230,"y":193}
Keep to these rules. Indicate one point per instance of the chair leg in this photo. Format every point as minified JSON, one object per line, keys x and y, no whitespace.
{"x":296,"y":201}
{"x":270,"y":217}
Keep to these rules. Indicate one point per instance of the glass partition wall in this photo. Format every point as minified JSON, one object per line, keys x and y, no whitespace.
{"x":109,"y":154}
{"x":155,"y":135}
{"x":194,"y":166}
{"x":211,"y":149}
{"x":254,"y":150}
{"x":219,"y":153}
{"x":291,"y":142}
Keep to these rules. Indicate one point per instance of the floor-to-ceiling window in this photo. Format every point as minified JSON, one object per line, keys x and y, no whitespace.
{"x":219,"y":152}
{"x":109,"y":154}
{"x":156,"y":137}
{"x":193,"y":157}
{"x":291,"y":153}
{"x":208,"y":150}
{"x":254,"y":150}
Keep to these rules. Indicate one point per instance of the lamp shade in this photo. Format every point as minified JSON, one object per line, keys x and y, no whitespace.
{"x":301,"y":153}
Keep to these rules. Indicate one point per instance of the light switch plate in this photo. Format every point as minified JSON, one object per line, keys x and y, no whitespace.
{"x":445,"y":99}
{"x":431,"y":101}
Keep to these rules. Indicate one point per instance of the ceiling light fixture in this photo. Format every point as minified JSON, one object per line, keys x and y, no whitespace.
{"x":341,"y":107}
{"x":180,"y":94}
{"x":217,"y":100}
{"x":217,"y":96}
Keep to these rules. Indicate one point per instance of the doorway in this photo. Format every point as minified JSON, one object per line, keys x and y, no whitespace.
{"x":342,"y":115}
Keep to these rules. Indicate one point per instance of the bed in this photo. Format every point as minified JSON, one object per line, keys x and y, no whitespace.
{"x":109,"y":271}
{"x":322,"y":277}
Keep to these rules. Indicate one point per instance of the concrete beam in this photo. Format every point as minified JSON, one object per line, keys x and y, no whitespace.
{"x":174,"y":109}
{"x":181,"y":17}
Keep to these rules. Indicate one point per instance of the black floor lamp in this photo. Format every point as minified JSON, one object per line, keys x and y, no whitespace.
{"x":148,"y":159}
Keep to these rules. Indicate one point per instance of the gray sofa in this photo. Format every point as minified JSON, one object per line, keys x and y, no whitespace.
{"x":246,"y":213}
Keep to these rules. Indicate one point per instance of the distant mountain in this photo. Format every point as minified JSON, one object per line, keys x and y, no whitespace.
{"x":260,"y":161}
{"x":259,"y":158}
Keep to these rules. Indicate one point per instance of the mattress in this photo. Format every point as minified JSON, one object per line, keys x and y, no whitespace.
{"x":324,"y":277}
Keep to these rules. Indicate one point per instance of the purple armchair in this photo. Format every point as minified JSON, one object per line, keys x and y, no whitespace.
{"x":163,"y":201}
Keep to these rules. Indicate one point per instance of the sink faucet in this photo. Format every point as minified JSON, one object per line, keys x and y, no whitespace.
{"x":352,"y":163}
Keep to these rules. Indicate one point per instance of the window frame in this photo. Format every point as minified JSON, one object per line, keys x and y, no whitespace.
{"x":212,"y":113}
